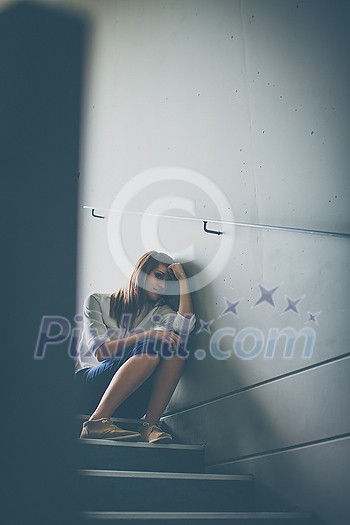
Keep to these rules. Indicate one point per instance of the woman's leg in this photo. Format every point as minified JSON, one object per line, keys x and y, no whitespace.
{"x":125,"y":381}
{"x":166,"y":378}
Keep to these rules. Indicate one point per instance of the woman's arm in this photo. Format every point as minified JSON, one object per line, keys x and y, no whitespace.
{"x":101,"y":341}
{"x":117,"y":346}
{"x":185,"y":304}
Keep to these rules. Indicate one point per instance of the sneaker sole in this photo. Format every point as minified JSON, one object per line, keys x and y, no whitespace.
{"x":161,"y":440}
{"x":127,"y":437}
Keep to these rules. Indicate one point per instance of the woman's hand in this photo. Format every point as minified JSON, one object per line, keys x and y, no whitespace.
{"x":170,"y":338}
{"x":176,"y":271}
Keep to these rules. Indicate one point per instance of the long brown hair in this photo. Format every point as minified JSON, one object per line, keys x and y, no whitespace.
{"x":132,"y":299}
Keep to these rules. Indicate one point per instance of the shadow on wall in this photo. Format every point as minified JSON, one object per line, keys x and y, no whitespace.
{"x":41,"y":57}
{"x":238,"y":423}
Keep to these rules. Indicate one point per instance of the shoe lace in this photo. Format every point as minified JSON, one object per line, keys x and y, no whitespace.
{"x":152,"y":426}
{"x":112,"y":426}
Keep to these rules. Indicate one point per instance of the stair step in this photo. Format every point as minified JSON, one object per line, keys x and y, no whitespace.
{"x":103,"y":490}
{"x":208,"y":518}
{"x":104,"y":454}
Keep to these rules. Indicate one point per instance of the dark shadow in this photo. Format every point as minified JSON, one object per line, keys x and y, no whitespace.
{"x":41,"y":57}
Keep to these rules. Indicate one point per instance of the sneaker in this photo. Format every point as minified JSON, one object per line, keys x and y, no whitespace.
{"x":104,"y":429}
{"x":153,"y":433}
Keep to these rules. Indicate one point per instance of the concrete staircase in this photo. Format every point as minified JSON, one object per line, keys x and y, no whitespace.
{"x":142,"y":483}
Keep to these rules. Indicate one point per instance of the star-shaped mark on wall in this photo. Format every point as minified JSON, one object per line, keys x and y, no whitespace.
{"x":230,"y":307}
{"x":266,"y":296}
{"x":205,"y":326}
{"x":313,"y":317}
{"x":292,"y":305}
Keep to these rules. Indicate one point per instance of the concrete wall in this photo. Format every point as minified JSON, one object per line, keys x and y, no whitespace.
{"x":40,"y":95}
{"x":234,"y":111}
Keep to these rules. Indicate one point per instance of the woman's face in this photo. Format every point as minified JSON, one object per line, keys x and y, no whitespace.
{"x":155,"y":282}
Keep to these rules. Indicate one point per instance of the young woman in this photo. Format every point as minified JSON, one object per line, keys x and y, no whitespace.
{"x":132,"y":352}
